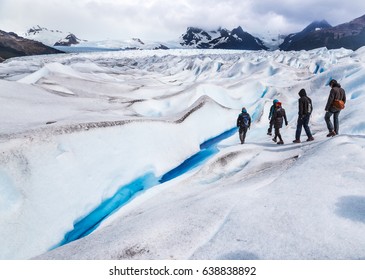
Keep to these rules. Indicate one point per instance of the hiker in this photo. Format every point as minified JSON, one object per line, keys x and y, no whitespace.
{"x":244,"y":123}
{"x":304,"y":113}
{"x":278,"y":116}
{"x":336,"y":93}
{"x":272,"y":108}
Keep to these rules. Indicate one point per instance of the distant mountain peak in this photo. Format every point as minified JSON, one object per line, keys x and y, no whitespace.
{"x":51,"y":37}
{"x":220,"y":39}
{"x":317,"y":25}
{"x":38,"y":29}
{"x":291,"y":39}
{"x":321,"y":22}
{"x":138,"y":41}
{"x":69,"y":40}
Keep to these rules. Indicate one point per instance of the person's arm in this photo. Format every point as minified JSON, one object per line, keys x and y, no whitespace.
{"x":300,"y":107}
{"x":344,"y":96}
{"x":286,"y":121}
{"x":330,"y":100}
{"x":271,"y":112}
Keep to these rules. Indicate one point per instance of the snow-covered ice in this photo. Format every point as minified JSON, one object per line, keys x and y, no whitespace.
{"x":77,"y":128}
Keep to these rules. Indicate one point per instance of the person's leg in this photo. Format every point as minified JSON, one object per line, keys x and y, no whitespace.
{"x":327,"y":118}
{"x":336,"y":122}
{"x":240,"y":132}
{"x":244,"y":135}
{"x":269,"y":131}
{"x":306,"y":126}
{"x":277,"y":134}
{"x":299,"y":128}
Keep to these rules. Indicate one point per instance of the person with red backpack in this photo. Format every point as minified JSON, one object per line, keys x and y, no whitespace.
{"x":243,"y":123}
{"x":337,"y":96}
{"x":279,"y":116}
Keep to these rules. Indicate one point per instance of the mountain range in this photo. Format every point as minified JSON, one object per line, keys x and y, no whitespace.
{"x":221,"y":39}
{"x":40,"y":40}
{"x":349,"y":35}
{"x":318,"y":34}
{"x":290,"y":41}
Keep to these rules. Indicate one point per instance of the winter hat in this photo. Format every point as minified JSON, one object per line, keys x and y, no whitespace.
{"x":278,"y":104}
{"x":244,"y":110}
{"x":275,"y":101}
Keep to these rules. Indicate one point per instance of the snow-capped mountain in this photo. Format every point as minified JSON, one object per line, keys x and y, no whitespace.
{"x":61,"y":39}
{"x":130,"y":44}
{"x":221,"y":39}
{"x":51,"y":37}
{"x":349,"y":35}
{"x":70,"y":40}
{"x":12,"y":45}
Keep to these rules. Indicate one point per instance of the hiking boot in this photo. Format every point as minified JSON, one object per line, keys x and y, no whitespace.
{"x":296,"y":141}
{"x":280,"y":143}
{"x":269,"y":133}
{"x":274,"y":139}
{"x":310,"y":139}
{"x":331,"y":134}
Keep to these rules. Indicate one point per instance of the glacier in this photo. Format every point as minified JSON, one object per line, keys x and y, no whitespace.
{"x":77,"y":128}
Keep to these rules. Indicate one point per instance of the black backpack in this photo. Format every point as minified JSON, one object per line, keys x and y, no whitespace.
{"x":244,"y":120}
{"x":309,"y":106}
{"x":279,"y":113}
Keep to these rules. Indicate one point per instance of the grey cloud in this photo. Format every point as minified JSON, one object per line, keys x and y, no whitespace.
{"x":163,"y":19}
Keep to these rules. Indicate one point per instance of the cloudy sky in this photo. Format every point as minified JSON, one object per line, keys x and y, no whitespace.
{"x":167,"y":19}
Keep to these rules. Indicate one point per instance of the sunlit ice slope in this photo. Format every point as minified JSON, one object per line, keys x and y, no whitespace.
{"x":80,"y":127}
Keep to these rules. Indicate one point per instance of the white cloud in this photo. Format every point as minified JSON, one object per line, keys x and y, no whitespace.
{"x":161,"y":19}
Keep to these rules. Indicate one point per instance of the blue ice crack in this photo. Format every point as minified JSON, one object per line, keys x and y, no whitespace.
{"x":90,"y":222}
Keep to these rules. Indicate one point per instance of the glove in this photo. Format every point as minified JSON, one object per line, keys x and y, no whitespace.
{"x":286,"y":123}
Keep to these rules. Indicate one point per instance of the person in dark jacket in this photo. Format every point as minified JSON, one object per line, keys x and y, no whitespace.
{"x":304,"y":112}
{"x":244,"y":123}
{"x":337,"y":92}
{"x":278,"y":117}
{"x":271,"y":123}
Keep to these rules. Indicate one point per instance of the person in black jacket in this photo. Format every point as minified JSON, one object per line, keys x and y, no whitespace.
{"x":304,"y":113}
{"x":278,"y":116}
{"x":336,"y":93}
{"x":244,"y":123}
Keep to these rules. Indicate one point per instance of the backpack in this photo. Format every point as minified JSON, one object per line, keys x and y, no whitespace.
{"x":309,"y":107}
{"x":279,"y":113}
{"x":244,"y":120}
{"x":338,"y":104}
